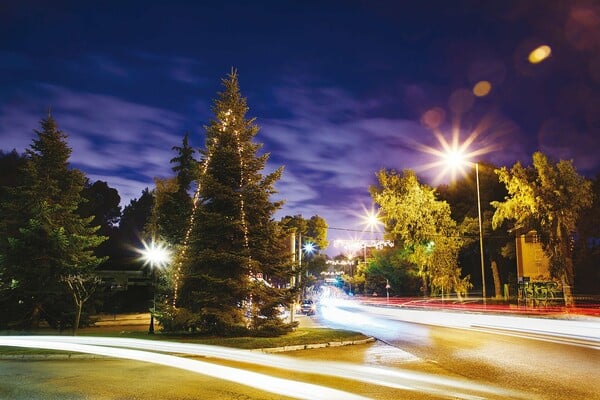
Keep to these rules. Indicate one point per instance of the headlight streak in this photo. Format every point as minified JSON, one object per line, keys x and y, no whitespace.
{"x":583,"y":333}
{"x":285,"y":387}
{"x":393,"y":378}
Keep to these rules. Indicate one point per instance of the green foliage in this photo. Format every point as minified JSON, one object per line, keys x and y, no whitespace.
{"x":173,"y":206}
{"x":587,"y":246}
{"x":391,"y":264}
{"x":185,"y":165}
{"x":102,"y":203}
{"x":422,"y":225}
{"x":235,"y":247}
{"x":46,"y":239}
{"x":548,"y":198}
{"x":313,"y":230}
{"x":461,"y":195}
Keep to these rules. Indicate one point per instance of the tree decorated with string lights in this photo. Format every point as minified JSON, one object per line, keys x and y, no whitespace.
{"x":234,"y":246}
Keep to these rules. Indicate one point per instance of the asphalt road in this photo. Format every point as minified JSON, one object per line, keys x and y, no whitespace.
{"x":537,"y":365}
{"x":115,"y":379}
{"x":412,"y":361}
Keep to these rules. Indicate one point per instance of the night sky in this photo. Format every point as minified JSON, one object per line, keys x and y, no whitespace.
{"x":340,"y":89}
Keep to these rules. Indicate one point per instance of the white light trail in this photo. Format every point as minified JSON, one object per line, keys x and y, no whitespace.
{"x":584,"y":333}
{"x":381,"y":376}
{"x":284,"y":387}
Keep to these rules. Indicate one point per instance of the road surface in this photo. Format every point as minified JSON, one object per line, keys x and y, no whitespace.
{"x":546,"y":364}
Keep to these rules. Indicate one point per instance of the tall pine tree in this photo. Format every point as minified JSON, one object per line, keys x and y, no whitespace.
{"x":174,"y":203}
{"x":51,"y":241}
{"x":235,"y":246}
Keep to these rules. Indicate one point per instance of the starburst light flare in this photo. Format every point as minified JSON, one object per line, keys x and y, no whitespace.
{"x":155,"y":254}
{"x":309,"y":247}
{"x":371,"y":220}
{"x":453,"y":155}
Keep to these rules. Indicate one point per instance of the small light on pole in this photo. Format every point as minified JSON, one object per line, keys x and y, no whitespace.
{"x":387,"y":290}
{"x":372,"y":222}
{"x":156,"y":255}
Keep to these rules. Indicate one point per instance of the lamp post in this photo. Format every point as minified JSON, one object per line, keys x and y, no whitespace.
{"x":480,"y":231}
{"x":157,"y":256}
{"x":455,"y":159}
{"x":371,"y":222}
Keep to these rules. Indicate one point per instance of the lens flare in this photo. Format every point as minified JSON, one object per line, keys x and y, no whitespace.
{"x":482,"y":88}
{"x":539,"y":54}
{"x":453,"y":156}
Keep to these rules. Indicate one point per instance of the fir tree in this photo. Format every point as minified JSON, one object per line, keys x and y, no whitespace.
{"x":51,"y":241}
{"x":235,"y":245}
{"x":174,"y":203}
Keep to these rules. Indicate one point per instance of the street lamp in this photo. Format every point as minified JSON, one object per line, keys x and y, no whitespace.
{"x":371,"y":222}
{"x":456,"y":159}
{"x":156,"y":255}
{"x":309,"y":247}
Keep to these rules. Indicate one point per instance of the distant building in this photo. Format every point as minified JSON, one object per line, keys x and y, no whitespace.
{"x":121,"y":280}
{"x":532,"y":263}
{"x":535,"y":284}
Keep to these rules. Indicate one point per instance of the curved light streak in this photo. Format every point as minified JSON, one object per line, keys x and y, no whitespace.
{"x":284,"y":387}
{"x":583,"y":333}
{"x":381,"y":376}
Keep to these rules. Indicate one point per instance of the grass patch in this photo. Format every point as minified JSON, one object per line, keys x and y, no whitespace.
{"x":300,"y":336}
{"x":26,"y":351}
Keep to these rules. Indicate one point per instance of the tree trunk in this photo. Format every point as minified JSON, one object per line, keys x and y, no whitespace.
{"x":458,"y":292}
{"x":497,"y":283}
{"x":77,"y":318}
{"x":424,"y":287}
{"x":36,"y":316}
{"x":567,"y":292}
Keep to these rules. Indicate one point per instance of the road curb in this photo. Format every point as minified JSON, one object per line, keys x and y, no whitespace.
{"x":49,"y":357}
{"x":79,"y":356}
{"x":313,"y":346}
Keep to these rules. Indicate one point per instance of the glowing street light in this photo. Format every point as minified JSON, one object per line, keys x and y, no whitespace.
{"x":455,"y":159}
{"x":371,"y":220}
{"x":309,"y":247}
{"x":156,"y":255}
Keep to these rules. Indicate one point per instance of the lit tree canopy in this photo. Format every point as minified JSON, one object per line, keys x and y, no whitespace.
{"x":416,"y":220}
{"x":548,"y":198}
{"x":313,"y":230}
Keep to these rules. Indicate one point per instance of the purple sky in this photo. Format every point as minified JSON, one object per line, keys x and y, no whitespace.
{"x":340,"y":89}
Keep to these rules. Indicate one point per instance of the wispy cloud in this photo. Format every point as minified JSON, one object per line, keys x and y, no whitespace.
{"x":332,"y":147}
{"x":110,"y":137}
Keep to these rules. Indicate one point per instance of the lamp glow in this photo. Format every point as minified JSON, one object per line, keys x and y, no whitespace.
{"x":454,"y":158}
{"x":309,"y":247}
{"x":155,"y":254}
